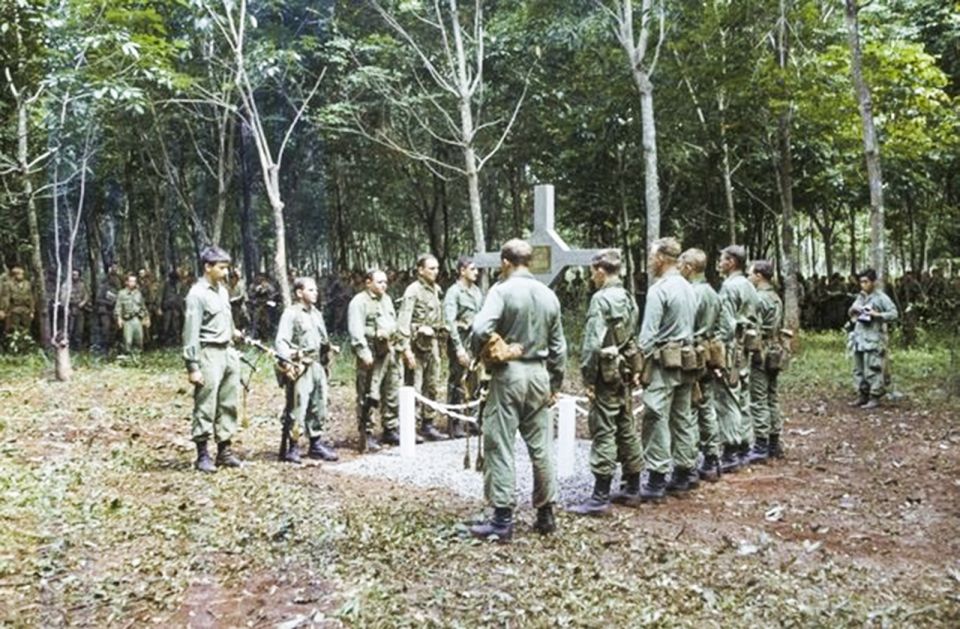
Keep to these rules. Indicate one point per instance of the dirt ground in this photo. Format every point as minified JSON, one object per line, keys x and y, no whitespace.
{"x":105,"y":523}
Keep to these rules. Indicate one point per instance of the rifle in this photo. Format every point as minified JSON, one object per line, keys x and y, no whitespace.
{"x":476,"y":385}
{"x":288,"y":369}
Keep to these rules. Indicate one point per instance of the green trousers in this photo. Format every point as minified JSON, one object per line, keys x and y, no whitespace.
{"x":764,"y":402}
{"x":310,"y":394}
{"x":726,"y":400}
{"x":746,"y":422}
{"x":379,"y":386}
{"x":613,"y":431}
{"x":518,"y":400}
{"x":868,"y":373}
{"x":706,"y":414}
{"x":669,"y":431}
{"x":133,"y":336}
{"x":215,"y":402}
{"x":426,"y":378}
{"x":456,"y":393}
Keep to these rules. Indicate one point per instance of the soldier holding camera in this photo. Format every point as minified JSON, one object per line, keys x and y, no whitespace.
{"x":869,"y":316}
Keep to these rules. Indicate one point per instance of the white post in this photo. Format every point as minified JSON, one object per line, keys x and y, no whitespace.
{"x":408,"y":421}
{"x":566,"y":436}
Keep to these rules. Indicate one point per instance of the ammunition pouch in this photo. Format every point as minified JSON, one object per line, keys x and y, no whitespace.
{"x":776,"y":358}
{"x":688,"y":358}
{"x":379,"y":345}
{"x":702,"y":355}
{"x":716,"y":354}
{"x":633,"y":361}
{"x":424,"y":338}
{"x":671,"y":356}
{"x":610,"y":364}
{"x":751,"y":340}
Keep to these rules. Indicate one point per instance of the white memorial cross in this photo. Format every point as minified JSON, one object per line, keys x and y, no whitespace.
{"x":551,"y":255}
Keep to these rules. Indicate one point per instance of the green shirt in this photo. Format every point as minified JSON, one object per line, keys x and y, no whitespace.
{"x":17,"y":296}
{"x":302,"y":329}
{"x":460,"y":305}
{"x":739,"y":298}
{"x":522,"y":310}
{"x":769,"y":311}
{"x":420,"y":307}
{"x":706,"y":323}
{"x":207,"y":318}
{"x":129,"y":304}
{"x":608,"y":306}
{"x":668,"y":313}
{"x":870,"y":336}
{"x":369,"y":316}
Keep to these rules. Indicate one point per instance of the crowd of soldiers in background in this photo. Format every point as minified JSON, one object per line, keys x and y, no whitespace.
{"x":923,"y":298}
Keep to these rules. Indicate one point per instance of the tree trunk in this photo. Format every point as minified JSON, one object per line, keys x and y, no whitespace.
{"x":791,"y":301}
{"x":870,"y":145}
{"x":651,"y":183}
{"x":247,"y":235}
{"x":36,"y":259}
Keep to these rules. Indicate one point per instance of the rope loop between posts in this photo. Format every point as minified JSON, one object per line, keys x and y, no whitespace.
{"x":447,"y":409}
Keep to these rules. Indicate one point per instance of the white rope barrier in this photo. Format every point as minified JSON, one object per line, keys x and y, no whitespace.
{"x":445,"y":408}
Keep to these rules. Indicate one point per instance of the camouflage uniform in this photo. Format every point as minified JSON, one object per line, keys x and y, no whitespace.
{"x":421,"y":327}
{"x":16,"y":301}
{"x":610,"y":419}
{"x":868,"y":340}
{"x":372,"y":323}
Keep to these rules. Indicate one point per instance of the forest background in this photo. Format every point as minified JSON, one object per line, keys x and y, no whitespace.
{"x":330,"y":136}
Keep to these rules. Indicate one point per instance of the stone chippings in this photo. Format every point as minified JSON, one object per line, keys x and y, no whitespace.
{"x":439,"y":465}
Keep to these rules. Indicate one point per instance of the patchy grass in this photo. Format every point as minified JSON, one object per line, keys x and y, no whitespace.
{"x":103,"y":522}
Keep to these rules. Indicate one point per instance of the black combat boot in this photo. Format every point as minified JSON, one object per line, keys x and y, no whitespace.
{"x":872,"y":403}
{"x":759,"y":452}
{"x":429,"y":432}
{"x":743,"y":449}
{"x":654,"y":488}
{"x":319,"y":451}
{"x":730,"y":460}
{"x":710,"y":468}
{"x":629,"y":493}
{"x":693,"y":478}
{"x":599,"y":502}
{"x":369,"y":443}
{"x":545,"y":523}
{"x":455,"y":429}
{"x":862,"y":398}
{"x":500,"y":526}
{"x":390,"y":437}
{"x":204,"y":463}
{"x":679,"y":481}
{"x":225,"y":456}
{"x":776,"y":447}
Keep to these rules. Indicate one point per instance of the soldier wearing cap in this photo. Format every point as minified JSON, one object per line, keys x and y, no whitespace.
{"x":131,"y":315}
{"x":213,"y":365}
{"x":460,"y":305}
{"x":869,"y":315}
{"x":609,"y":331}
{"x":669,"y":429}
{"x":421,"y":327}
{"x":738,"y":329}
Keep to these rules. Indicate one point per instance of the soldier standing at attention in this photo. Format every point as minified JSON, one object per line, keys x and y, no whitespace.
{"x":525,"y":314}
{"x":669,"y":429}
{"x":421,"y":328}
{"x":764,"y":400}
{"x":739,"y":300}
{"x":610,"y":327}
{"x":372,"y":323}
{"x":460,"y":305}
{"x":302,"y":337}
{"x":213,"y":365}
{"x":706,"y":330}
{"x":131,"y":315}
{"x":77,"y":309}
{"x":16,"y":302}
{"x":869,"y":314}
{"x":106,"y":305}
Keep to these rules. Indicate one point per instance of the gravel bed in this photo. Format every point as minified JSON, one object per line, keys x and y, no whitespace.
{"x":440,"y":465}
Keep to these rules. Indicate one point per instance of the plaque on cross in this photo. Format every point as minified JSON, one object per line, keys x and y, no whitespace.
{"x":551,"y":255}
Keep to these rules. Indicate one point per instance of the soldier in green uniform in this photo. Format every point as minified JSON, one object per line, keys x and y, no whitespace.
{"x":131,"y":315}
{"x":213,"y":365}
{"x":706,"y":334}
{"x":422,"y":328}
{"x":460,"y":305}
{"x":77,"y":309}
{"x":524,"y":313}
{"x":106,"y":304}
{"x":669,"y":429}
{"x":372,"y":324}
{"x":764,"y":369}
{"x":302,"y":337}
{"x":608,"y":339}
{"x":738,"y":329}
{"x":869,"y":315}
{"x":16,"y":302}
